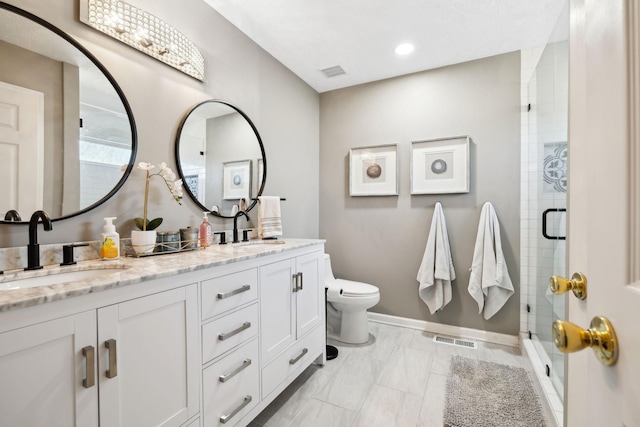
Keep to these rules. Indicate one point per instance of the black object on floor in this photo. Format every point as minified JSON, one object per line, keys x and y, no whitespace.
{"x":332,"y":352}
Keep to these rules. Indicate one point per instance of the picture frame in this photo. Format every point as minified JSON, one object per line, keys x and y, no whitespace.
{"x":236,"y":180}
{"x":192,"y":182}
{"x":373,"y":171}
{"x":440,"y":166}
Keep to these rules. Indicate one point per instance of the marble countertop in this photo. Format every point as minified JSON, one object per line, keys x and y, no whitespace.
{"x":131,"y":270}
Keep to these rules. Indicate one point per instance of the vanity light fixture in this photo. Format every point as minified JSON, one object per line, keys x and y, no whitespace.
{"x":404,"y":49}
{"x":144,"y":32}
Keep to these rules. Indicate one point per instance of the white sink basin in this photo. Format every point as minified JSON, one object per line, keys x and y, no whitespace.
{"x":34,"y":279}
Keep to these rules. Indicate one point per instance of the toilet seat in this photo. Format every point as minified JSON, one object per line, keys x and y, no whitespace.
{"x":351,"y":289}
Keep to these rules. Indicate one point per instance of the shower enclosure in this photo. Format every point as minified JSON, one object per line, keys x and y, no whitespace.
{"x":543,"y":204}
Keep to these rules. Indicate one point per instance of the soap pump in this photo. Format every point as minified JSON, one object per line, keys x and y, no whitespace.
{"x":110,"y":246}
{"x":205,"y":232}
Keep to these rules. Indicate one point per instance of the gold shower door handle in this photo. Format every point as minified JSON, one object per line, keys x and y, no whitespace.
{"x":601,"y":336}
{"x":577,"y":284}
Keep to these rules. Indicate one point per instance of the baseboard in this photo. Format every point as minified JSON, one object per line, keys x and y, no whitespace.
{"x":438,"y":328}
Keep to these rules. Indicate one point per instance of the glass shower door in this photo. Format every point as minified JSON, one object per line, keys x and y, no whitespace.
{"x":545,"y":196}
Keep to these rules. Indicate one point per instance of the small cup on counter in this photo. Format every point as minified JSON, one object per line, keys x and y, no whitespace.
{"x":188,"y":238}
{"x":168,"y":241}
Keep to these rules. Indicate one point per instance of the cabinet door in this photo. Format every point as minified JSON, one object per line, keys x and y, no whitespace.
{"x":150,"y":378}
{"x":42,"y":369}
{"x":309,"y":301}
{"x":277,"y":310}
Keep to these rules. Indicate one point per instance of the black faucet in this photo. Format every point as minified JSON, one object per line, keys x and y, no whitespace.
{"x":33,"y":249}
{"x":235,"y":224}
{"x":12,"y":215}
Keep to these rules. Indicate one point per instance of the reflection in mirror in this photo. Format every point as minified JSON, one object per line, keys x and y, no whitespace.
{"x":220,"y":157}
{"x":68,"y":128}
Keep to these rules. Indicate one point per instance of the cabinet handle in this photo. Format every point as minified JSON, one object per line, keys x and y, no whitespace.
{"x":89,"y":353}
{"x":225,"y":335}
{"x":294,"y":361}
{"x":224,"y":295}
{"x":300,"y":275}
{"x":227,"y":377}
{"x":295,"y":282}
{"x":225,"y":418}
{"x":113,"y":358}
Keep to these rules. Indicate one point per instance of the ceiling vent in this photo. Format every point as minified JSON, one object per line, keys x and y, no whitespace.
{"x":333,"y":71}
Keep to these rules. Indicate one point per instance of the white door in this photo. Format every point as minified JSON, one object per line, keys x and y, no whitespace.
{"x":21,"y":148}
{"x":151,"y":359}
{"x":277,"y":312}
{"x":604,"y":206}
{"x":48,"y":373}
{"x":309,"y":298}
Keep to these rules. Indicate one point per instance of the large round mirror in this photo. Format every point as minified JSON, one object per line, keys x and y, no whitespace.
{"x":220,"y":157}
{"x":66,"y":129}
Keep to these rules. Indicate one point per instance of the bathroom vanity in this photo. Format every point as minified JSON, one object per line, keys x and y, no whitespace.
{"x":202,"y":338}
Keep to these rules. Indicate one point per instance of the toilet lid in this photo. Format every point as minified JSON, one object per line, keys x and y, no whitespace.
{"x":355,"y":289}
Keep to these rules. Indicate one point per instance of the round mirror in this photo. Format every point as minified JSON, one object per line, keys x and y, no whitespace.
{"x":220,"y":157}
{"x":66,"y":128}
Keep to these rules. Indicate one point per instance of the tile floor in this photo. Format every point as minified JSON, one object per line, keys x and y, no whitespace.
{"x":398,"y":379}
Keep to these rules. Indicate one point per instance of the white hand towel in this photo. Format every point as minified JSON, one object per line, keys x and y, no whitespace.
{"x":489,"y":283}
{"x":269,"y":221}
{"x":436,"y":271}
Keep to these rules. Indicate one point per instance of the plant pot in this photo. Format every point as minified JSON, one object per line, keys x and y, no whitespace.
{"x":143,"y":242}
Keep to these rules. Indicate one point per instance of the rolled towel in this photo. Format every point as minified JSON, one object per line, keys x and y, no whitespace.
{"x":269,"y":220}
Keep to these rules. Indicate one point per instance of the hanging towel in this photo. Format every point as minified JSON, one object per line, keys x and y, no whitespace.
{"x":436,"y":271}
{"x":489,"y":283}
{"x":269,"y":221}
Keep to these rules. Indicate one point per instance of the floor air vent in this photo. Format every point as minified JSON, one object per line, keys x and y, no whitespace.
{"x":455,"y":341}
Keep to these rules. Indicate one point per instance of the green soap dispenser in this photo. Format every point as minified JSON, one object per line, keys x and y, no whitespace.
{"x":110,"y":246}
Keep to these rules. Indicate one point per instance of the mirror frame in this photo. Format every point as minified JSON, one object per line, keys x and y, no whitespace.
{"x":254,"y":199}
{"x":116,"y":87}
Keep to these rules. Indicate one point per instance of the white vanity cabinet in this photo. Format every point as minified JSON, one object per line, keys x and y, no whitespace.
{"x":211,"y":342}
{"x":292,"y":310}
{"x":134,"y":363}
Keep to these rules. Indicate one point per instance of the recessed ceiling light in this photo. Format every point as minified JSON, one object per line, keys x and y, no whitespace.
{"x":404,"y":49}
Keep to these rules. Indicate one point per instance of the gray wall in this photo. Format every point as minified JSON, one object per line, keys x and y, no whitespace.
{"x":284,"y":109}
{"x":381,"y":240}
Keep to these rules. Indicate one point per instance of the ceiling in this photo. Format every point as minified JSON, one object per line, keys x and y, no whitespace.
{"x":360,"y":35}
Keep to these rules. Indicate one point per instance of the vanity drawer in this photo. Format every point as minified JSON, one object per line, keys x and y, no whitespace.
{"x":228,"y":292}
{"x":228,"y":383}
{"x":291,"y":359}
{"x":225,"y":333}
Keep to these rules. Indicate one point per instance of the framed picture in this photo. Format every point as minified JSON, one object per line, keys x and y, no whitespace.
{"x":236,"y":180}
{"x":192,"y":183}
{"x":440,"y":166}
{"x":373,"y":171}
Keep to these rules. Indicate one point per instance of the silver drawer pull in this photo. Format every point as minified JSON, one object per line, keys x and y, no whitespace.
{"x":223,"y":295}
{"x":227,"y":377}
{"x":225,"y":335}
{"x":225,"y":418}
{"x":294,"y":361}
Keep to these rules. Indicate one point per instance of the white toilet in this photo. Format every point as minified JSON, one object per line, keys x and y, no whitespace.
{"x":347,"y":306}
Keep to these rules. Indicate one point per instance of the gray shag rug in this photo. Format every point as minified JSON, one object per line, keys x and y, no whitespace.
{"x":490,"y":395}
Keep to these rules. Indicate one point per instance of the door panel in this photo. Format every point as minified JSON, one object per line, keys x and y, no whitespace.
{"x":604,"y":206}
{"x":308,"y":298}
{"x":22,"y":143}
{"x":42,"y":368}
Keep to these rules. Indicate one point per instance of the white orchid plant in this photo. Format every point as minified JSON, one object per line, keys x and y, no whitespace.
{"x":174,"y":185}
